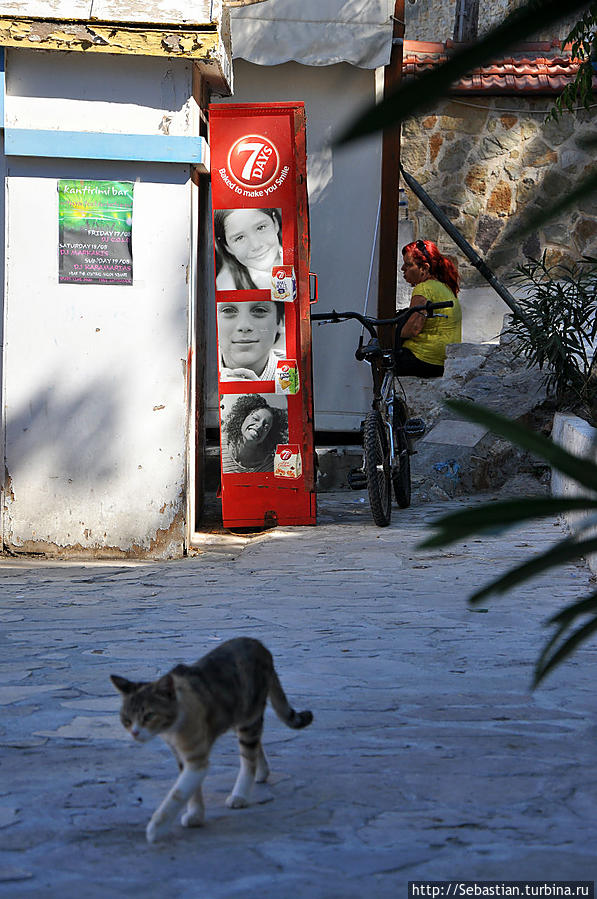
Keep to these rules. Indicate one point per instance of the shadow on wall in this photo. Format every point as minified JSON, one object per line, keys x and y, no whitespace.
{"x":94,"y":467}
{"x":141,"y":81}
{"x":68,"y":435}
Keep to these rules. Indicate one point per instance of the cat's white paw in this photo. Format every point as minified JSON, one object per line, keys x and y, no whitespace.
{"x":236,"y":801}
{"x":156,"y":831}
{"x":262,"y":775}
{"x":195,"y":818}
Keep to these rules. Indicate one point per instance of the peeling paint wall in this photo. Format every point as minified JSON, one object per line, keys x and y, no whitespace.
{"x":109,"y":38}
{"x":95,"y":411}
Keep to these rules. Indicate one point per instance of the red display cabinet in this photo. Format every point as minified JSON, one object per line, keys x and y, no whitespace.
{"x":261,"y":243}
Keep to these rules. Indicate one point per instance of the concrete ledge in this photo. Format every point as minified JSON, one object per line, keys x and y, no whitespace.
{"x":579,"y":437}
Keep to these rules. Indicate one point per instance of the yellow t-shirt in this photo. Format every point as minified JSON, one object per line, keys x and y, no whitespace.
{"x":430,"y":345}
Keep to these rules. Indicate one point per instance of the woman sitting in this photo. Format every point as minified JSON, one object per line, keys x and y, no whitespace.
{"x":422,"y":341}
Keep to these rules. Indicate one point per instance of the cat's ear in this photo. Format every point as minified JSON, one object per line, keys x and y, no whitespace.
{"x":166,"y":686}
{"x":123,"y":685}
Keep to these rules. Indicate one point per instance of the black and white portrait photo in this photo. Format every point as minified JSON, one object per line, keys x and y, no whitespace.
{"x":248,"y":244}
{"x":251,"y":339}
{"x":253,"y":424}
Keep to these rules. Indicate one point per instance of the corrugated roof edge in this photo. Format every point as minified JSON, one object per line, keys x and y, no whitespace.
{"x":531,"y":68}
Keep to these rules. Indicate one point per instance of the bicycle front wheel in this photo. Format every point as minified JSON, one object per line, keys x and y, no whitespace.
{"x":401,"y":472}
{"x":377,"y":469}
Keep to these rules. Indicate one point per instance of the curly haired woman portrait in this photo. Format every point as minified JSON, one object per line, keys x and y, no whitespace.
{"x":252,"y":427}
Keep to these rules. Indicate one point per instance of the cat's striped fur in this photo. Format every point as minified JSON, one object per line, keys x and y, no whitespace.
{"x":192,"y":705}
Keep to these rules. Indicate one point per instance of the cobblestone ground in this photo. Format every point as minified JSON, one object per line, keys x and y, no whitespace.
{"x":428,"y":758}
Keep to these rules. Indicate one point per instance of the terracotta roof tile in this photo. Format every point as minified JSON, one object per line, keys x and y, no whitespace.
{"x":534,"y":68}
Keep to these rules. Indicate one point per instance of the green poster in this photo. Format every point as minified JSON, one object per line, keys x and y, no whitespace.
{"x":95,"y":227}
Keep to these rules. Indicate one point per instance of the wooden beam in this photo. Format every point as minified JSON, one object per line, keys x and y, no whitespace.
{"x":109,"y":37}
{"x":390,"y":178}
{"x":102,"y":145}
{"x":204,"y":44}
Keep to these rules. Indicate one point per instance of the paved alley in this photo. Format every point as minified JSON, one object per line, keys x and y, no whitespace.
{"x":429,"y":758}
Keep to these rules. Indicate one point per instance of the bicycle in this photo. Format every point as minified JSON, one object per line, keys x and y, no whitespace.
{"x":387,"y":430}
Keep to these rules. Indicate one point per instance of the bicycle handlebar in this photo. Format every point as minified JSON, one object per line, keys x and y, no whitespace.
{"x":370,"y":323}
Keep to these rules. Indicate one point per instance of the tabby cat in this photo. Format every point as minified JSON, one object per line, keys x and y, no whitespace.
{"x":191,"y":706}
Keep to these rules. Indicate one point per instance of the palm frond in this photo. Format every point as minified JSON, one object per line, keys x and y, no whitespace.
{"x":496,"y":518}
{"x":551,"y":657}
{"x":567,"y":550}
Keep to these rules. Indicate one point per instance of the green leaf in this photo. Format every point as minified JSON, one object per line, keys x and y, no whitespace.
{"x":564,"y":620}
{"x":569,"y":613}
{"x":565,"y":551}
{"x":547,"y":662}
{"x":579,"y":469}
{"x":500,"y":516}
{"x":410,"y":97}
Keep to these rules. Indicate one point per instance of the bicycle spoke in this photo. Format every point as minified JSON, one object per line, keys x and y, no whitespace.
{"x":401,"y":473}
{"x":377,"y":469}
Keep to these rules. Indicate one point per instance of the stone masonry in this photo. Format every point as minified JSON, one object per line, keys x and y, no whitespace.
{"x":492,"y":160}
{"x":433,"y":20}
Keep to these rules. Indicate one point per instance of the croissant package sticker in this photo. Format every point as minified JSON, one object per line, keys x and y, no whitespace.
{"x":287,"y":376}
{"x":283,"y":283}
{"x":288,"y":462}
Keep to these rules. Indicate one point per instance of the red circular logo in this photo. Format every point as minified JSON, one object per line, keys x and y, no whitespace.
{"x":253,"y":161}
{"x":285,"y":455}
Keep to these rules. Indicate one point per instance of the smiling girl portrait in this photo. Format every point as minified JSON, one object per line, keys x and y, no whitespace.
{"x":248,"y":244}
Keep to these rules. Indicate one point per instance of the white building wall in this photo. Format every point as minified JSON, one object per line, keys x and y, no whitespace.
{"x":95,"y":380}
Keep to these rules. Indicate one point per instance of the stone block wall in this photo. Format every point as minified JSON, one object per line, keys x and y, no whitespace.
{"x":488,"y":160}
{"x":433,"y":20}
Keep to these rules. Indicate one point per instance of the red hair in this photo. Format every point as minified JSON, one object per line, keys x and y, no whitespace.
{"x":425,"y":252}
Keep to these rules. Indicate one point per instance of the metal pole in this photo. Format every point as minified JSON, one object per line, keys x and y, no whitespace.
{"x":466,"y":248}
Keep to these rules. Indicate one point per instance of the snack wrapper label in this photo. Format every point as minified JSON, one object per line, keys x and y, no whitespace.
{"x":283,"y":283}
{"x":287,"y":461}
{"x":287,"y":376}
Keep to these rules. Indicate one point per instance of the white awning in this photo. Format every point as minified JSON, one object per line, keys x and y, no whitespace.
{"x":314,"y":32}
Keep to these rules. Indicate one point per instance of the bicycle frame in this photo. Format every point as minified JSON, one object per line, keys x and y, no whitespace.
{"x":386,"y":431}
{"x":383,"y":399}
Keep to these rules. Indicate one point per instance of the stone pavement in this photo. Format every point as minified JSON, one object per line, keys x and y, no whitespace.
{"x":428,"y":758}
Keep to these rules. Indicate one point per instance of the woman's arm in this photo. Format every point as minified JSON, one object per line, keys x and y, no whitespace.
{"x":416,"y":322}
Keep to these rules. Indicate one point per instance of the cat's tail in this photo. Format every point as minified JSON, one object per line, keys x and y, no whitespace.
{"x":282,"y":707}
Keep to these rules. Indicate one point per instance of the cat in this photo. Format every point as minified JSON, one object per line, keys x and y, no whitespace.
{"x":191,"y":706}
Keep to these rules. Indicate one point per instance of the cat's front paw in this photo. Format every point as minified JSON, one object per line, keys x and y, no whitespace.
{"x":236,"y":801}
{"x":156,"y":830}
{"x":195,"y":818}
{"x":262,"y":774}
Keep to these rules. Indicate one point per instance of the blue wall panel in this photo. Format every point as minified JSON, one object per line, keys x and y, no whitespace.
{"x":96,"y":145}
